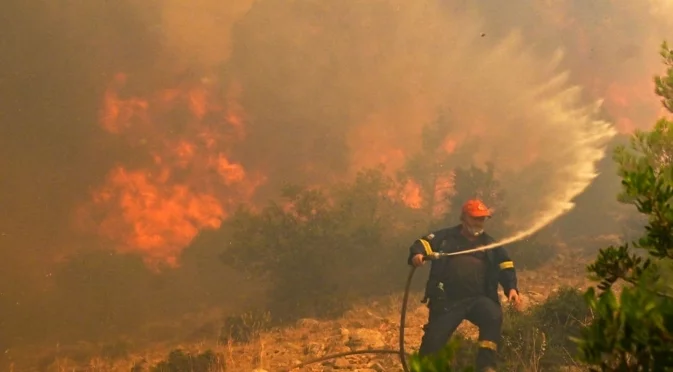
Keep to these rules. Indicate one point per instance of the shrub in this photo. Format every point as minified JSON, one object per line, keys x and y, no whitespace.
{"x":634,"y":332}
{"x":536,"y":340}
{"x":444,"y":361}
{"x":246,"y":327}
{"x":540,"y":339}
{"x":310,"y":248}
{"x":179,"y":361}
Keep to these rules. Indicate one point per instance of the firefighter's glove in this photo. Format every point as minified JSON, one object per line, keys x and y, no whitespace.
{"x":418,"y":260}
{"x":514,"y":299}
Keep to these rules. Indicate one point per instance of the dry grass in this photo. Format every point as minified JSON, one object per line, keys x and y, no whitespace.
{"x":279,"y":348}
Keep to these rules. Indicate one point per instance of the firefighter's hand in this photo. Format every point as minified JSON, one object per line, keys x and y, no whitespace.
{"x":418,"y":260}
{"x":514,"y":299}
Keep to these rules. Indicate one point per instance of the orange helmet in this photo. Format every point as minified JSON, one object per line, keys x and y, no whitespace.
{"x":476,"y":208}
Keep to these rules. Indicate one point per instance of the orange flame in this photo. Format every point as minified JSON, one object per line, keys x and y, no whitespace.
{"x":149,"y":214}
{"x":191,"y":182}
{"x":412,"y":195}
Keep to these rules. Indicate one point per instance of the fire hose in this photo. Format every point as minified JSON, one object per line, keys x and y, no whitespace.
{"x":403,"y":315}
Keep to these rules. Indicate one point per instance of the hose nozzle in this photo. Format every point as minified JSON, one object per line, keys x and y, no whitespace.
{"x":432,"y":256}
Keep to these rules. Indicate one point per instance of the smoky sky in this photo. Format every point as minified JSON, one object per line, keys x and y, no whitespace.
{"x":327,"y":87}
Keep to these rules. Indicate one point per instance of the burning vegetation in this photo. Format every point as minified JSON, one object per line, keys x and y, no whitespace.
{"x":184,"y":182}
{"x":302,"y":145}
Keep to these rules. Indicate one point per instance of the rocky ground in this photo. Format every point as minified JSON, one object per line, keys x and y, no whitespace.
{"x":370,"y":325}
{"x":376,"y":326}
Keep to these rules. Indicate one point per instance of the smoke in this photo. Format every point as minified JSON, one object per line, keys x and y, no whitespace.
{"x":359,"y":86}
{"x":198,"y":33}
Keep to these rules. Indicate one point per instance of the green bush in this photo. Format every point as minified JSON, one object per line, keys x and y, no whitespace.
{"x":447,"y":360}
{"x":634,"y":331}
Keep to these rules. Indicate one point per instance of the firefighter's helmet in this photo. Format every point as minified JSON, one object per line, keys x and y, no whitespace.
{"x":476,"y":208}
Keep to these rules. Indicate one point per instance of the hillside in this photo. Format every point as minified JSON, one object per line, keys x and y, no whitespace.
{"x":370,"y":324}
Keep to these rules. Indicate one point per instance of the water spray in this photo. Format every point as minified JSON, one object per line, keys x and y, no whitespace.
{"x":563,"y":129}
{"x":586,"y":175}
{"x":401,"y":352}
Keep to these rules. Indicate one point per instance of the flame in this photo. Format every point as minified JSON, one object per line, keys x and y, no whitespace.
{"x":412,"y":195}
{"x":150,"y":214}
{"x":190,"y":182}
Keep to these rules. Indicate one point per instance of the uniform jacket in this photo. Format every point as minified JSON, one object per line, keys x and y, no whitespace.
{"x":500,"y":268}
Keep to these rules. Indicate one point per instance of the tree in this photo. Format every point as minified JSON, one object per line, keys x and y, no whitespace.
{"x":635,"y":331}
{"x":431,"y":167}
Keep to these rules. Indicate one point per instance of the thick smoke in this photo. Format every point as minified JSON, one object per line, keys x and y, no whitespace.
{"x":365,"y":79}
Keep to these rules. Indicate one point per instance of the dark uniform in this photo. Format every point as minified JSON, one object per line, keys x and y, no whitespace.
{"x":464,"y":287}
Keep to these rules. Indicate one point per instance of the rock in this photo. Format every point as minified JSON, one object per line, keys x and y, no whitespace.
{"x":341,"y":363}
{"x":344,"y":334}
{"x":376,"y":367}
{"x":363,"y":338}
{"x":313,"y":348}
{"x":294,"y":347}
{"x":536,"y":296}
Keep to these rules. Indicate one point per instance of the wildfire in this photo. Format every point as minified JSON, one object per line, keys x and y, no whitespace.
{"x":150,"y":214}
{"x":412,"y":195}
{"x":185,"y":177}
{"x":189,"y":182}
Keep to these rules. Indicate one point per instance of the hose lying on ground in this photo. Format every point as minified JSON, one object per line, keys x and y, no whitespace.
{"x":403,"y":315}
{"x":402,"y":354}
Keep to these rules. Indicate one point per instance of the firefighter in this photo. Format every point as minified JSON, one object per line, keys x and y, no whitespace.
{"x":465,"y":286}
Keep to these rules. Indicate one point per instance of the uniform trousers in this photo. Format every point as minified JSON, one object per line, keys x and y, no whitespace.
{"x":445,"y":317}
